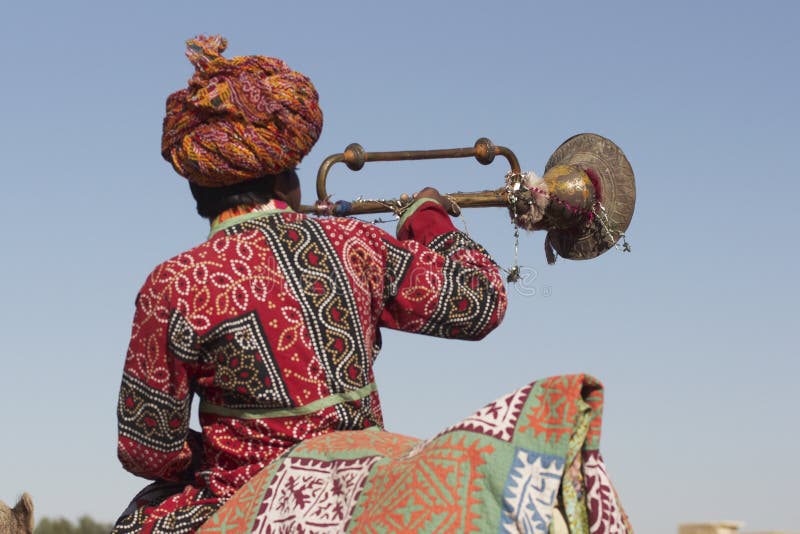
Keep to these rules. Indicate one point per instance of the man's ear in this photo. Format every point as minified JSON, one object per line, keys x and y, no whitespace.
{"x":287,"y":188}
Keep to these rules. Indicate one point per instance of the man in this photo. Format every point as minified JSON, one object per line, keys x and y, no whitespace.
{"x":274,"y":321}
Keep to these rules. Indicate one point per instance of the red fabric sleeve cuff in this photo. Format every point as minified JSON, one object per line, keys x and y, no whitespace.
{"x":428,"y":222}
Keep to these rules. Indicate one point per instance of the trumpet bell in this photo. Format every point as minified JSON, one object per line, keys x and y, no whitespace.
{"x":613,"y":199}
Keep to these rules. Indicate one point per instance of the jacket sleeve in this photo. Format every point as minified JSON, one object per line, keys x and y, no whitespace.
{"x":155,"y":396}
{"x":438,"y":281}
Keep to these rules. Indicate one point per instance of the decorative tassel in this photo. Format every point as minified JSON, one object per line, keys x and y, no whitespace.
{"x":549,"y":251}
{"x":342,"y":208}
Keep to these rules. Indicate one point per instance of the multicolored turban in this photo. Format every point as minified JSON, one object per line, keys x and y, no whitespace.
{"x":239,"y":118}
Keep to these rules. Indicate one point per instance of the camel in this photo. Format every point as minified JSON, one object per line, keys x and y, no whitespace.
{"x":17,"y":520}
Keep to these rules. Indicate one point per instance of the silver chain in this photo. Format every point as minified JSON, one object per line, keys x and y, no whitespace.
{"x":513,"y":184}
{"x":602,"y":217}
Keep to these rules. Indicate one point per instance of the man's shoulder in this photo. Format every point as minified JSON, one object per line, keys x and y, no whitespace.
{"x":174,"y":269}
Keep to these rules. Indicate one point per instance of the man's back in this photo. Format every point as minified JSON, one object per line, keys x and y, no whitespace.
{"x":274,"y":323}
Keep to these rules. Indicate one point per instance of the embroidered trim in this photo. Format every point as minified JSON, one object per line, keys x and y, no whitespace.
{"x":265,"y":211}
{"x":318,"y":281}
{"x":316,"y":406}
{"x":151,"y":417}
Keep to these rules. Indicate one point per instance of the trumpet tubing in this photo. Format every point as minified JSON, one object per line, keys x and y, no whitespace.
{"x":497,"y":198}
{"x":585,"y":199}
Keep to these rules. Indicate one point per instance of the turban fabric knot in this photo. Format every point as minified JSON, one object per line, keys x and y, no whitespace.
{"x":240,"y":118}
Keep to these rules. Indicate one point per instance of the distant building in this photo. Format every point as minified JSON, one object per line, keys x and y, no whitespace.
{"x":720,"y":527}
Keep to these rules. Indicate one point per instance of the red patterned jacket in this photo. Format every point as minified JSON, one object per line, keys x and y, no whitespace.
{"x":274,"y":323}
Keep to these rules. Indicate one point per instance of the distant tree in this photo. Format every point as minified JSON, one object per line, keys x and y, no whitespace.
{"x":53,"y":526}
{"x":86,"y":525}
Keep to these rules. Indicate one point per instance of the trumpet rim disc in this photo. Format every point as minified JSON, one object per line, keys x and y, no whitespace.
{"x":617,"y":196}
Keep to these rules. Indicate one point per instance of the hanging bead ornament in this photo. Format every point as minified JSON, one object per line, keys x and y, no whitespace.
{"x":614,"y":236}
{"x":513,"y":184}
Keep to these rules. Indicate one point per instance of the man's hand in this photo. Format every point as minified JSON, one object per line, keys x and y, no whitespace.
{"x":431,"y":192}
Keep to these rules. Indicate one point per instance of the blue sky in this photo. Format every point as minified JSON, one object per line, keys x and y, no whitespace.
{"x":694,"y":334}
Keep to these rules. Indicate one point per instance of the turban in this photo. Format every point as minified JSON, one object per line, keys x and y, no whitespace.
{"x":240,"y":118}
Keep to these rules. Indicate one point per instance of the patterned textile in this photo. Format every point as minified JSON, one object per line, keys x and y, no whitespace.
{"x":274,"y":324}
{"x":161,"y":507}
{"x":503,"y":469}
{"x":240,"y":118}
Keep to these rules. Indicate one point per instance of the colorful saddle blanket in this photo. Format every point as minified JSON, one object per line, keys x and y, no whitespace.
{"x":510,"y":467}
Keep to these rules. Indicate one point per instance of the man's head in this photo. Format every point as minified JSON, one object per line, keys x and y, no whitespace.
{"x":245,"y":119}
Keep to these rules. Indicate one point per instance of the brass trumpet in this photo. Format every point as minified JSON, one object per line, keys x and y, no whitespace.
{"x":585,"y":200}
